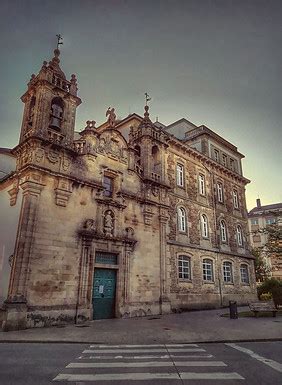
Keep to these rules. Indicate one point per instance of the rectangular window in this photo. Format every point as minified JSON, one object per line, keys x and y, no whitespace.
{"x":216,"y":155}
{"x":270,"y":221}
{"x":106,"y":258}
{"x":108,"y":184}
{"x":232,"y":164}
{"x":180,"y":175}
{"x":244,"y":274}
{"x":184,"y":267}
{"x":224,"y":160}
{"x":219,"y":192}
{"x":235,"y":199}
{"x":227,"y":272}
{"x":207,"y":270}
{"x":202,"y":187}
{"x":254,"y":221}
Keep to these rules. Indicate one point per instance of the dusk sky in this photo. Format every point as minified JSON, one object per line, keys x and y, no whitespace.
{"x":216,"y":62}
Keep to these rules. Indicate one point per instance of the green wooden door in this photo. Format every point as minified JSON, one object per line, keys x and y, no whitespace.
{"x":104,"y":293}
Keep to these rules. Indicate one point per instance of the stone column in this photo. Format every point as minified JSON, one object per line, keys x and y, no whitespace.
{"x":16,"y":303}
{"x":164,"y":300}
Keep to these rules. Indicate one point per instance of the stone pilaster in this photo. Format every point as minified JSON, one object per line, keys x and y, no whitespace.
{"x":164,"y":301}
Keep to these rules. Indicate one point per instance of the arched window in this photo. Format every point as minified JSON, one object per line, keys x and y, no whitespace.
{"x":239,"y":236}
{"x":223,"y":232}
{"x":207,"y":269}
{"x":31,"y":110}
{"x":204,"y":226}
{"x":156,"y":164}
{"x":244,"y":273}
{"x":227,"y":272}
{"x":184,"y":267}
{"x":57,"y":110}
{"x":182,"y":220}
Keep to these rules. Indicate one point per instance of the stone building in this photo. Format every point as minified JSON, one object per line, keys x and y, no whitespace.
{"x":260,"y":218}
{"x":131,"y":218}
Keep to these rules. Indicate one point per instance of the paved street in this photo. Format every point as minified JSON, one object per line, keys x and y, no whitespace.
{"x":164,"y":364}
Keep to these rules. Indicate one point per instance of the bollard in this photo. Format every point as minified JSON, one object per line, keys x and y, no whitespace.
{"x":233,"y":310}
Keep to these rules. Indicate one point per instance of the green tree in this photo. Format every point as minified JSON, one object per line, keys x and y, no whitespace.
{"x":262,"y":269}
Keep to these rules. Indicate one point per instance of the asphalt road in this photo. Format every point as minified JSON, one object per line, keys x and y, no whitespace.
{"x":173,"y":364}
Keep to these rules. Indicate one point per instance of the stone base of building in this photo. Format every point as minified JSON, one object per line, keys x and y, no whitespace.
{"x":14,"y":316}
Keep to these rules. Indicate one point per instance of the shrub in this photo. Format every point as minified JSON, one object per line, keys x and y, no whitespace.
{"x":269,"y":286}
{"x":265,"y":296}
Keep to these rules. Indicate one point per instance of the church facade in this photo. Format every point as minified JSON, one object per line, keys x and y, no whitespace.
{"x":131,"y":218}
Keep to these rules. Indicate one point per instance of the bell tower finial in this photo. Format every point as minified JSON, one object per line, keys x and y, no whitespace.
{"x":59,"y":40}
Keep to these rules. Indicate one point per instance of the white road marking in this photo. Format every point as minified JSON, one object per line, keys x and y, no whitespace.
{"x":142,"y":364}
{"x":273,"y":364}
{"x":166,"y":356}
{"x":117,"y":377}
{"x":143,"y":346}
{"x":148,"y":376}
{"x":142,"y":350}
{"x":211,"y":376}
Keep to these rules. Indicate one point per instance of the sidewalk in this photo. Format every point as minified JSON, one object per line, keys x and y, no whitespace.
{"x":188,"y":327}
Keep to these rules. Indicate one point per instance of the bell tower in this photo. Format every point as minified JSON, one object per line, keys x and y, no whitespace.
{"x":50,"y":104}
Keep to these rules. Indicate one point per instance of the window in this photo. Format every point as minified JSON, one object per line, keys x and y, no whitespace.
{"x":204,"y":226}
{"x":239,"y":236}
{"x":227,"y":272}
{"x":184,"y":267}
{"x":224,"y":160}
{"x":207,"y":270}
{"x":254,"y":221}
{"x":57,"y":109}
{"x":232,"y":164}
{"x":270,"y":221}
{"x":202,"y":189}
{"x":223,"y":232}
{"x":235,"y":199}
{"x":108,"y":184}
{"x":216,"y":155}
{"x":179,"y":175}
{"x":244,"y":273}
{"x":219,"y":192}
{"x":181,"y":219}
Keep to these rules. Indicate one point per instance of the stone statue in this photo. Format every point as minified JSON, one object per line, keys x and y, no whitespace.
{"x":112,"y":116}
{"x":89,"y":225}
{"x":109,"y":223}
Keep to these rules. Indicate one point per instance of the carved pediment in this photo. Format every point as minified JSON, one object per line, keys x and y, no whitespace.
{"x":112,"y":144}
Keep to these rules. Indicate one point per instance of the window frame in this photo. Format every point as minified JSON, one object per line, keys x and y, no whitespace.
{"x":223,"y":230}
{"x":179,"y":174}
{"x":227,"y":273}
{"x":184,"y":267}
{"x":224,"y":160}
{"x":204,"y":226}
{"x":208,"y":276}
{"x":220,"y":196}
{"x":202,"y":184}
{"x":216,"y":154}
{"x":243,"y":281}
{"x":182,"y":219}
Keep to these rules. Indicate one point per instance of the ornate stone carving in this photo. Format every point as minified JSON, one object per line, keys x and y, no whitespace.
{"x":63,"y":192}
{"x":89,"y":225}
{"x":129,"y":233}
{"x":53,"y":156}
{"x":13,"y":192}
{"x":111,"y":117}
{"x":39,"y":155}
{"x":111,"y":145}
{"x":109,"y":223}
{"x":148,"y":214}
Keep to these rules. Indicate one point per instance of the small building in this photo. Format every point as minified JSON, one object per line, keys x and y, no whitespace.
{"x":130,"y":218}
{"x":260,"y":219}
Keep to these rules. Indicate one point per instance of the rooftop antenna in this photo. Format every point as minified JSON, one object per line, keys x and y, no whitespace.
{"x":59,"y":40}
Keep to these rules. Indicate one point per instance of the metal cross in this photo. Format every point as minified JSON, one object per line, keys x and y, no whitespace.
{"x":147,"y":98}
{"x":59,"y":38}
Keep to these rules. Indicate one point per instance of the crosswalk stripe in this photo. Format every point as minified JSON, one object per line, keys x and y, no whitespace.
{"x":143,"y":346}
{"x":211,"y":376}
{"x":142,"y":350}
{"x":166,"y":356}
{"x":148,"y":376}
{"x":142,"y":364}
